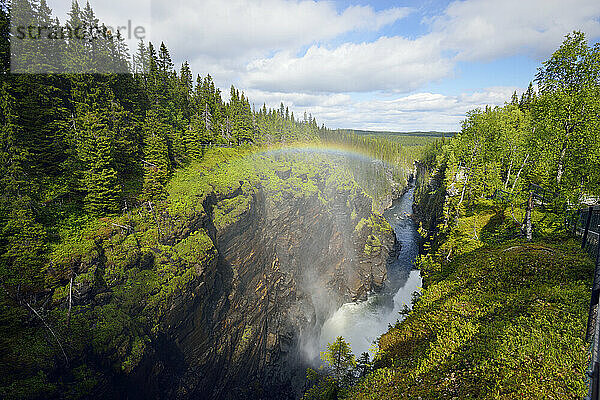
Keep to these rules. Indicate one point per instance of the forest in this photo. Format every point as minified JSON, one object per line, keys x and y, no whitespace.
{"x":92,"y":144}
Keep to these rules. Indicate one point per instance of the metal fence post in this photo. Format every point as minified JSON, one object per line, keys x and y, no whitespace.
{"x":594,"y":371}
{"x":587,"y":227}
{"x":594,"y":299}
{"x":598,"y":248}
{"x":576,"y":219}
{"x":594,"y":378}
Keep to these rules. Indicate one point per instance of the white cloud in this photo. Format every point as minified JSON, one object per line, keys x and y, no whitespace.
{"x":242,"y":28}
{"x":491,"y":29}
{"x":480,"y":30}
{"x":387,"y":64}
{"x":297,"y":101}
{"x":419,"y":111}
{"x":257,"y":45}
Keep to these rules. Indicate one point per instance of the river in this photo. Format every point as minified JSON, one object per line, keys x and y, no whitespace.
{"x":361,"y":323}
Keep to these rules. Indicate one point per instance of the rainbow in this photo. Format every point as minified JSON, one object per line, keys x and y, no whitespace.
{"x":334,"y":149}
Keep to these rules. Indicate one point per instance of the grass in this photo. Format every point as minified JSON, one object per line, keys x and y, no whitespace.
{"x":504,"y":319}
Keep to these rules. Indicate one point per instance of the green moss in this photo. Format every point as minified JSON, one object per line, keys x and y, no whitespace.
{"x":373,"y":245}
{"x":219,"y":172}
{"x":245,"y":342}
{"x":122,"y":251}
{"x":361,"y":224}
{"x":376,"y":223}
{"x":196,"y":248}
{"x":32,"y":387}
{"x":228,"y":211}
{"x":248,"y":332}
{"x":77,"y":248}
{"x":135,"y":355}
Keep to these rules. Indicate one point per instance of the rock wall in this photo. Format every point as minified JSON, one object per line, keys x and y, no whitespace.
{"x":284,"y":265}
{"x":220,"y":291}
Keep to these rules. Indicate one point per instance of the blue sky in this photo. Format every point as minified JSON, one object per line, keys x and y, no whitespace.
{"x":385,"y":65}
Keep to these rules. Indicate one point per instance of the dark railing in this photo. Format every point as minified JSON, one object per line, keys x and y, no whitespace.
{"x":544,"y":196}
{"x":586,"y":223}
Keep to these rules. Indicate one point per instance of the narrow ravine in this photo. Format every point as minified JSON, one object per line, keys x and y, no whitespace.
{"x":361,"y":323}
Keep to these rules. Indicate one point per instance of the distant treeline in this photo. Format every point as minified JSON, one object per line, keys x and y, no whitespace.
{"x":396,"y":133}
{"x":380,"y":147}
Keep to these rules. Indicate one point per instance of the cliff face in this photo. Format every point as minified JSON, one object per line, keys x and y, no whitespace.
{"x":220,"y":291}
{"x":285,"y":262}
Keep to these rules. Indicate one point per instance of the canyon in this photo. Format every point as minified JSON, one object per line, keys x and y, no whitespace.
{"x":221,"y":291}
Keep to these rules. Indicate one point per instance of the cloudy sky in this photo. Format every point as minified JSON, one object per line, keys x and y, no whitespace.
{"x":384,"y":65}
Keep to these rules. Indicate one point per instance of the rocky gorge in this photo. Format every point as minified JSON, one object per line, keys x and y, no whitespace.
{"x":219,"y":290}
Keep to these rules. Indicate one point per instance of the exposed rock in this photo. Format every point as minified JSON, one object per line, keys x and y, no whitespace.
{"x":284,"y":174}
{"x":258,"y":269}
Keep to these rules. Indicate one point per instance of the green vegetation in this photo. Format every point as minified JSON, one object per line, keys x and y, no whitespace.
{"x":380,"y":179}
{"x":229,"y":210}
{"x":378,"y":146}
{"x":114,"y":279}
{"x":336,"y":373}
{"x":108,"y":180}
{"x":378,"y":226}
{"x":412,"y":140}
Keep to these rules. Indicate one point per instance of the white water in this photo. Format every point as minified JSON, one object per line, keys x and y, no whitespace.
{"x":361,"y":323}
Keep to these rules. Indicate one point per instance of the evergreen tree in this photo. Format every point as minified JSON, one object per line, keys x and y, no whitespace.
{"x":363,"y":365}
{"x":101,"y":183}
{"x":24,"y":244}
{"x":156,"y":154}
{"x":185,"y":90}
{"x":141,"y":60}
{"x":527,"y":98}
{"x":339,"y":359}
{"x":515,"y":99}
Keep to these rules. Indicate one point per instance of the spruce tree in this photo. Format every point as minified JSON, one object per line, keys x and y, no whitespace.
{"x":157,"y":164}
{"x":100,"y":178}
